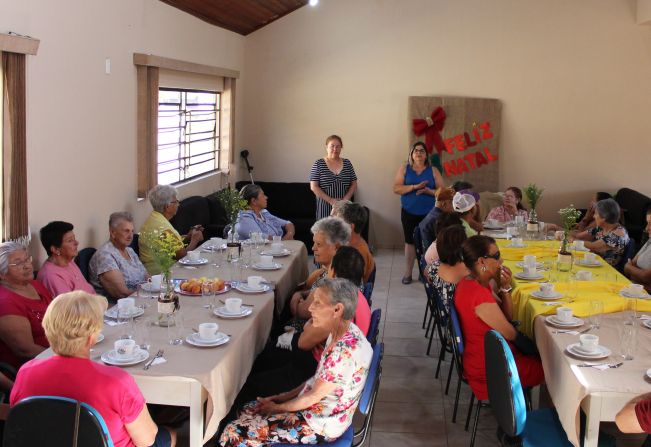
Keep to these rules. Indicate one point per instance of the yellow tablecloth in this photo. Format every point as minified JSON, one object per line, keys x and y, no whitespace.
{"x":605,"y":285}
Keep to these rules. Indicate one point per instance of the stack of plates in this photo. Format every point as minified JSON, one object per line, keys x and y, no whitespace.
{"x":272,"y":266}
{"x":245,"y":288}
{"x":576,"y":350}
{"x":522,"y":275}
{"x":554,"y":321}
{"x":223,"y":313}
{"x":196,"y":340}
{"x":554,"y":296}
{"x":582,"y":262}
{"x":111,"y":358}
{"x":539,"y":265}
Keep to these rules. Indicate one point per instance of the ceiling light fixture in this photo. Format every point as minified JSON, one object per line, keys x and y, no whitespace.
{"x":314,"y":2}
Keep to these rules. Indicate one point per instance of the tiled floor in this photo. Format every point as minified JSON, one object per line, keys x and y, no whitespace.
{"x":412,"y":409}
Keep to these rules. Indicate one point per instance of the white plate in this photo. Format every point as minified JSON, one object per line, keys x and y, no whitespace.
{"x":195,"y":340}
{"x":576,"y":322}
{"x":149,"y":287}
{"x":207,"y":248}
{"x":538,"y":294}
{"x":521,"y":275}
{"x":110,"y":358}
{"x":626,"y":294}
{"x":539,"y":265}
{"x":200,"y":261}
{"x":581,"y":262}
{"x":273,"y":266}
{"x":579,"y":249}
{"x":113,"y":312}
{"x":646,"y":323}
{"x":602,"y":352}
{"x":100,"y":338}
{"x":223,"y":313}
{"x":177,"y":289}
{"x":244,"y":288}
{"x":280,"y":254}
{"x":516,"y":246}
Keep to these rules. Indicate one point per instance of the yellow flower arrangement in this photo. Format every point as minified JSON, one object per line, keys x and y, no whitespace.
{"x":164,"y":245}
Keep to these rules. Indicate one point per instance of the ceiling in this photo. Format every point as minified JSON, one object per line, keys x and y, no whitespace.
{"x":241,"y":16}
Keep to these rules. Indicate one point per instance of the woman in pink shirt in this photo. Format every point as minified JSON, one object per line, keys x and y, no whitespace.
{"x":59,"y":273}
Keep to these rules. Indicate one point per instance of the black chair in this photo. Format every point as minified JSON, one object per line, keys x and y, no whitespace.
{"x":374,"y":327}
{"x":420,"y":260}
{"x":83,"y":259}
{"x":629,"y":253}
{"x":9,"y":372}
{"x":530,"y":429}
{"x":134,"y":243}
{"x":55,"y":422}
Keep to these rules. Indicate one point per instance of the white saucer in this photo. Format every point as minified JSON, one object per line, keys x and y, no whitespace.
{"x":244,"y":288}
{"x":539,"y":265}
{"x":200,"y":261}
{"x":207,"y":248}
{"x":113,"y":312}
{"x":280,"y":254}
{"x":646,"y":324}
{"x":195,"y":340}
{"x":626,"y":294}
{"x":576,"y":351}
{"x":100,"y":338}
{"x":576,"y":322}
{"x":149,"y":287}
{"x":521,"y":275}
{"x":538,"y":294}
{"x":110,"y":358}
{"x":494,"y":227}
{"x":588,"y":264}
{"x":223,"y":313}
{"x":516,"y":246}
{"x":579,"y":249}
{"x":273,"y":266}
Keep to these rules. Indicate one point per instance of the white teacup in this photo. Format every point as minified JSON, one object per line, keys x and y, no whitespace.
{"x":519,"y":220}
{"x":208,"y":331}
{"x":564,"y":314}
{"x":584,"y":275}
{"x":276,"y":247}
{"x":233,"y":305}
{"x":156,"y":281}
{"x":512,"y":231}
{"x":547,"y":289}
{"x":266,"y":260}
{"x":590,"y":258}
{"x":194,"y":255}
{"x":254,"y":281}
{"x":124,"y":348}
{"x":589,"y":342}
{"x":529,"y":260}
{"x":517,"y":242}
{"x":579,"y":245}
{"x":277,"y":238}
{"x":635,"y":289}
{"x":558,"y":235}
{"x":126,"y":305}
{"x":541,"y":226}
{"x":530,"y":270}
{"x":492,"y":222}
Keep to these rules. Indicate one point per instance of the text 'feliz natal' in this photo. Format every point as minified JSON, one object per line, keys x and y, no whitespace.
{"x":463,"y":142}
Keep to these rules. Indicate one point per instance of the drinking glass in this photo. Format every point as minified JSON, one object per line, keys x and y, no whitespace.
{"x":142,"y":333}
{"x":630,"y":309}
{"x":208,"y":294}
{"x":217,"y":256}
{"x":596,"y":311}
{"x":175,"y":329}
{"x":628,"y":339}
{"x":144,"y":295}
{"x":572,"y":287}
{"x":245,"y":255}
{"x":125,"y":320}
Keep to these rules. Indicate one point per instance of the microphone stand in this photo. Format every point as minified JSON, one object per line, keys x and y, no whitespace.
{"x":245,"y":155}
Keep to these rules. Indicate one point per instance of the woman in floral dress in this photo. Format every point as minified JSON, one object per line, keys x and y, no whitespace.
{"x":322,"y":408}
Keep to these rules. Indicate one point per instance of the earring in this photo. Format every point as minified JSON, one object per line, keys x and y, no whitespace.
{"x":483,"y":268}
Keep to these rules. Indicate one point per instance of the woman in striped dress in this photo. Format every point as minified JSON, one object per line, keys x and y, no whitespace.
{"x":332,"y":178}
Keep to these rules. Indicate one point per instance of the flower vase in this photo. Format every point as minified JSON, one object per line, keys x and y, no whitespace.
{"x":168,"y":301}
{"x":233,"y":245}
{"x":565,"y":258}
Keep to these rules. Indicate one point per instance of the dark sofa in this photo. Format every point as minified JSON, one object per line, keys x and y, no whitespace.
{"x":634,"y":205}
{"x":198,"y":210}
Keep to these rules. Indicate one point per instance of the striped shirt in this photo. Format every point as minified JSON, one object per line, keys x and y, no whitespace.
{"x":334,"y":185}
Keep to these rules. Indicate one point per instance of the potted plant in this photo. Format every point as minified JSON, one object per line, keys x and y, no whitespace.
{"x":569,"y":217}
{"x":533,"y":195}
{"x":233,"y":203}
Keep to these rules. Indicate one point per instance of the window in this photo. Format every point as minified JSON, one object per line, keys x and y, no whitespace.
{"x":188,"y":134}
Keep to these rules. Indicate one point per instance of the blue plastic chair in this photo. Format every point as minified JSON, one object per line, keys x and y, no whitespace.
{"x":535,"y":428}
{"x":59,"y":421}
{"x":352,"y":438}
{"x":374,"y":327}
{"x":629,"y":253}
{"x":367,"y":292}
{"x":83,"y":260}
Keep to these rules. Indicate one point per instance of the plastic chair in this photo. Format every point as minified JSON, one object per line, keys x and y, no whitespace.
{"x":535,"y":428}
{"x":55,"y":421}
{"x":83,"y":259}
{"x":629,"y":253}
{"x":135,"y":243}
{"x":352,"y":438}
{"x":367,"y":292}
{"x":374,"y":327}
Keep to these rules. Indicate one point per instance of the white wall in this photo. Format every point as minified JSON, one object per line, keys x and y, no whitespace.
{"x":574,"y":77}
{"x":81,"y":133}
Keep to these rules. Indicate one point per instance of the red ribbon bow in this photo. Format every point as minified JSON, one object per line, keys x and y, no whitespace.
{"x":431,"y":126}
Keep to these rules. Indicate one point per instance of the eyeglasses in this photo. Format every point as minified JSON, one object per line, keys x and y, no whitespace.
{"x":420,"y":150}
{"x":22,"y":263}
{"x":495,"y":256}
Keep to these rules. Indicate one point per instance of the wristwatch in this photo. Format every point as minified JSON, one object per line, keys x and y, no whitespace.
{"x":506,"y":290}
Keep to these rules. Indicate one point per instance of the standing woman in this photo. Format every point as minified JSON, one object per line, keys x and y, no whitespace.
{"x":332,"y":178}
{"x":416,"y":183}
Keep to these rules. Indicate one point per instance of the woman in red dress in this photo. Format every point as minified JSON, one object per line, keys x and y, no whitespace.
{"x":480,"y":312}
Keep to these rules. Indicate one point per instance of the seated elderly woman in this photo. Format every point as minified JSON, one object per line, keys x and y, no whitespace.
{"x":464,"y":204}
{"x":356,"y":216}
{"x":609,"y":238}
{"x":479,"y":312}
{"x":449,"y":269}
{"x":115,"y":269}
{"x":322,"y":408}
{"x":329,"y":234}
{"x":59,"y":273}
{"x":510,"y":208}
{"x":165,"y":204}
{"x":23,"y":302}
{"x":638,"y":269}
{"x":72,"y":323}
{"x":257,"y":219}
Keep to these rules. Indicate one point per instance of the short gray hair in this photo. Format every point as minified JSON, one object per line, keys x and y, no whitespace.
{"x":162,"y":195}
{"x":338,"y":207}
{"x":250,"y":192}
{"x":342,"y":291}
{"x":335,"y":230}
{"x":119,"y":216}
{"x":609,"y":211}
{"x":353,"y":213}
{"x":7,"y":248}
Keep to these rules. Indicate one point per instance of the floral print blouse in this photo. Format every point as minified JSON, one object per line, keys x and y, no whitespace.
{"x":501,"y":214}
{"x":616,"y":241}
{"x":445,"y":289}
{"x":346,"y":365}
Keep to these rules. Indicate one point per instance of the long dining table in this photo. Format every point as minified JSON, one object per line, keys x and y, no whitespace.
{"x":207,"y":379}
{"x":599,"y":391}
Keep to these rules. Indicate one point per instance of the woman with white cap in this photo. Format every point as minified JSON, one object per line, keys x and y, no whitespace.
{"x":463,"y":204}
